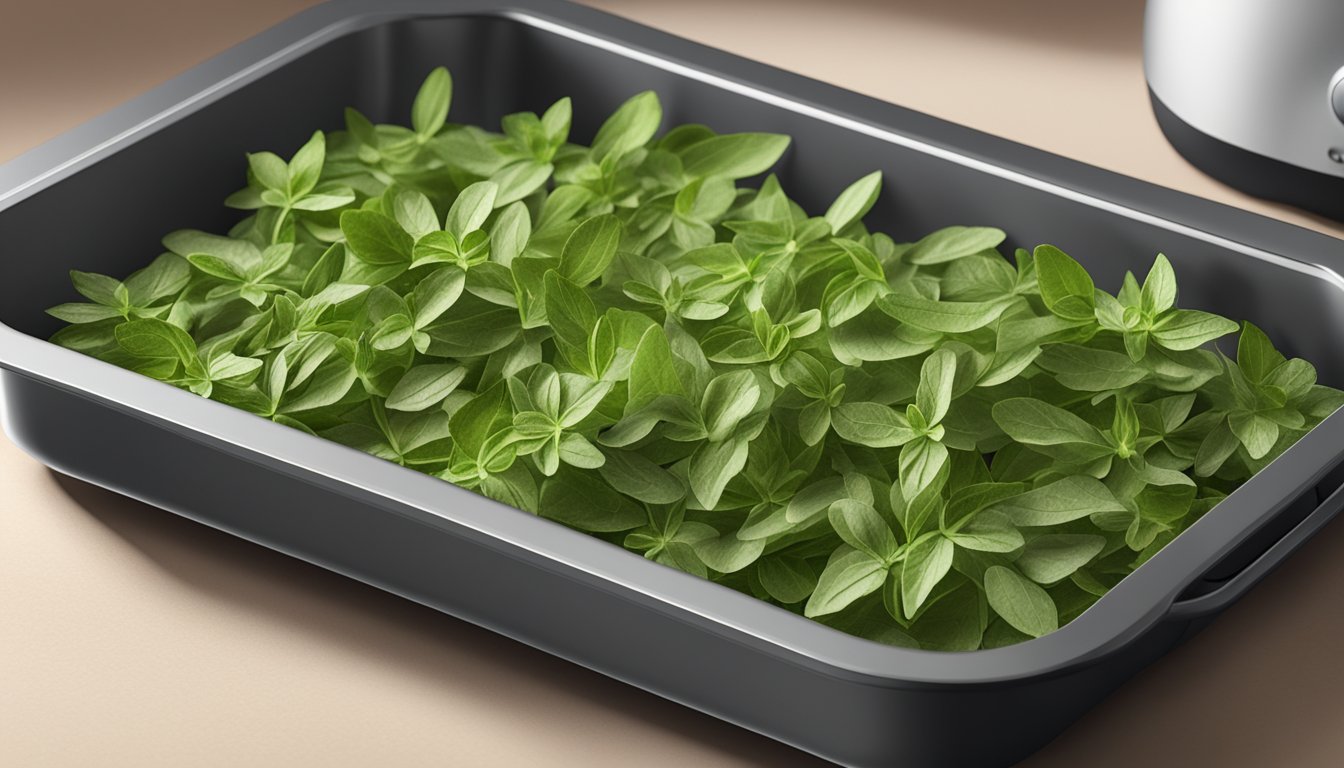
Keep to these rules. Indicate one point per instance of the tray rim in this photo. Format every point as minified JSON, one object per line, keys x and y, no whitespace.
{"x":1134,"y":606}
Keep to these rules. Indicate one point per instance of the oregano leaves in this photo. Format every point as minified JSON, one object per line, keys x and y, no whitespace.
{"x":926,"y":444}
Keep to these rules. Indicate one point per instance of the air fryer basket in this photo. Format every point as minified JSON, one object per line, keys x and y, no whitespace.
{"x":167,"y":159}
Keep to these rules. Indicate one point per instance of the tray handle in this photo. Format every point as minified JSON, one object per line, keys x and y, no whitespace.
{"x":1239,"y":584}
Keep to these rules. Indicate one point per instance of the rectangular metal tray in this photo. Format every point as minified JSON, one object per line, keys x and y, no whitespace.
{"x":100,"y":197}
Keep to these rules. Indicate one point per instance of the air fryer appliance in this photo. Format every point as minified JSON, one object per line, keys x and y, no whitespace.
{"x":1252,"y":93}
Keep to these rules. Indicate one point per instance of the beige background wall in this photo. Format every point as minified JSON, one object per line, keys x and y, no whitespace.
{"x":129,"y":637}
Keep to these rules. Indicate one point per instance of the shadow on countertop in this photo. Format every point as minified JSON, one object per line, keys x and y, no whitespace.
{"x":1240,"y":694}
{"x":330,"y":608}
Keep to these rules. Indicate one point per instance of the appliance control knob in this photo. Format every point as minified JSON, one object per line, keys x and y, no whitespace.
{"x":1337,"y":96}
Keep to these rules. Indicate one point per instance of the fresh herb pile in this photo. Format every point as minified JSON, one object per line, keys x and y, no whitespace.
{"x":923,"y":443}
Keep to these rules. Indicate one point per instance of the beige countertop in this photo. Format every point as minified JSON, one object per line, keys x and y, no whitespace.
{"x":131,"y":637}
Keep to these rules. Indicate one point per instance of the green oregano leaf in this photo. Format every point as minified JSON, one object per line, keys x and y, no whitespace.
{"x":1024,"y":605}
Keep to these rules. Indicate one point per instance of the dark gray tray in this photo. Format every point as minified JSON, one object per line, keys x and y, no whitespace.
{"x":100,"y":197}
